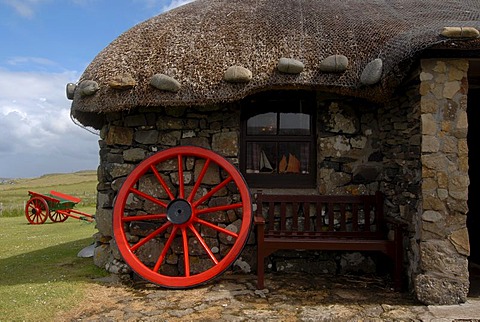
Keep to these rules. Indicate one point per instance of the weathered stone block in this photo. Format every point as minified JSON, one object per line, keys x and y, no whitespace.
{"x":134,"y":155}
{"x":212,"y":176}
{"x":102,"y":255}
{"x":119,"y":135}
{"x":151,"y":186}
{"x":340,"y":119}
{"x":103,"y":221}
{"x":169,"y":138}
{"x":226,"y":143}
{"x":146,"y":137}
{"x":461,"y":242}
{"x":196,"y":141}
{"x":233,"y":227}
{"x":135,"y":120}
{"x":116,"y":170}
{"x":170,"y":123}
{"x":439,"y":257}
{"x":105,"y":199}
{"x":440,"y":289}
{"x":150,"y":251}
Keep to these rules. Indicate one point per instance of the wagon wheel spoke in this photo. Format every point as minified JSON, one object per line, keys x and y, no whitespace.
{"x":209,"y":205}
{"x":56,"y":216}
{"x":165,"y":250}
{"x":36,"y":210}
{"x":203,"y":244}
{"x":219,"y":208}
{"x":162,"y":182}
{"x":199,"y":180}
{"x":181,"y":184}
{"x":212,"y":192}
{"x":148,"y":197}
{"x":186,"y":257}
{"x":217,"y":228}
{"x":150,"y":236}
{"x":144,"y":217}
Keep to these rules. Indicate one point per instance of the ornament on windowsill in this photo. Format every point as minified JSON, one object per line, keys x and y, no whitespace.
{"x":290,"y":166}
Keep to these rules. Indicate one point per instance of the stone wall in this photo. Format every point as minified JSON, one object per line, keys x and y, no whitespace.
{"x":401,"y":174}
{"x":349,"y":161}
{"x":349,"y":156}
{"x":130,"y":138}
{"x":442,"y":236}
{"x":413,"y":149}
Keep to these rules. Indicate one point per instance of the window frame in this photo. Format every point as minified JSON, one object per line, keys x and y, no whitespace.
{"x":263,"y":104}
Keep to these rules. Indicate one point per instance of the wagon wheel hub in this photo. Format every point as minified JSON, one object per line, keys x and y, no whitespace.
{"x":179,"y":211}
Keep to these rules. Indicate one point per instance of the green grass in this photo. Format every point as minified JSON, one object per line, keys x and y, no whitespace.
{"x":14,"y":193}
{"x":40,"y":273}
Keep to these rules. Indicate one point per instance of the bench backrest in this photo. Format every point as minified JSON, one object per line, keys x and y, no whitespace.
{"x":322,"y":216}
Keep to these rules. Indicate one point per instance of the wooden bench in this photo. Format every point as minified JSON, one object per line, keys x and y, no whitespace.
{"x":321,"y":222}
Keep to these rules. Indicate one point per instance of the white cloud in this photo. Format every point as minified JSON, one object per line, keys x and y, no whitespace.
{"x":165,"y":5}
{"x":39,"y":61}
{"x":37,"y":135}
{"x":25,"y":8}
{"x":175,"y":3}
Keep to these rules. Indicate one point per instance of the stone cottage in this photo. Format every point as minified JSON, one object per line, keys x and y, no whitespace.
{"x":325,"y":97}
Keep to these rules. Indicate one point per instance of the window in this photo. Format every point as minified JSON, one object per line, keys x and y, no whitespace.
{"x":278,"y":140}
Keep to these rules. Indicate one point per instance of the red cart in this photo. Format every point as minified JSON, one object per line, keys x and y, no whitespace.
{"x":56,"y":205}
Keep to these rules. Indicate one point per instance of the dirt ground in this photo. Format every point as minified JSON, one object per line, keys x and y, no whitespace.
{"x":288,"y":297}
{"x":292,"y":297}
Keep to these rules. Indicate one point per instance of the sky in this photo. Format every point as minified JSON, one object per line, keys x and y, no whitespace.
{"x":45,"y":44}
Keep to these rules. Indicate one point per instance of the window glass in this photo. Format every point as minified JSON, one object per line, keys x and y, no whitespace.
{"x":294,"y":124}
{"x":262,"y":124}
{"x":294,"y":158}
{"x":261,"y":157}
{"x":278,"y":140}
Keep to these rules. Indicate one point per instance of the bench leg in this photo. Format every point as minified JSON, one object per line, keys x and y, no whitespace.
{"x":398,"y":261}
{"x":260,"y":257}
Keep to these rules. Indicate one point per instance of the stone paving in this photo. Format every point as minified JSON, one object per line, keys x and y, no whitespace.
{"x":292,"y":297}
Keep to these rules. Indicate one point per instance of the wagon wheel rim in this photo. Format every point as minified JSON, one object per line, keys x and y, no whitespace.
{"x":185,"y":218}
{"x":55,"y":216}
{"x":36,"y":210}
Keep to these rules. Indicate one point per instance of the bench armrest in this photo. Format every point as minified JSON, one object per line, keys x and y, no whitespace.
{"x":258,"y":220}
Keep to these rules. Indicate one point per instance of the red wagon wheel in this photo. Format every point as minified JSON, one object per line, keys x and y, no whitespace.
{"x":58,"y":217}
{"x":36,"y":210}
{"x":182,"y":217}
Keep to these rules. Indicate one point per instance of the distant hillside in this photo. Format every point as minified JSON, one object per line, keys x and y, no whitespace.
{"x":14,"y":192}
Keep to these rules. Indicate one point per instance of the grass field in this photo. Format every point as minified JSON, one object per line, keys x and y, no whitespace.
{"x":14,"y":193}
{"x":40,"y":273}
{"x":39,"y":268}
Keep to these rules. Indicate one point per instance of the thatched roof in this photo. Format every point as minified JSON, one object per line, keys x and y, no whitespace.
{"x":190,"y":48}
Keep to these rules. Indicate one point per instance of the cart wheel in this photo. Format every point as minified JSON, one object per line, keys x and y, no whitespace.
{"x":36,"y":210}
{"x":173,"y":209}
{"x":57,"y":217}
